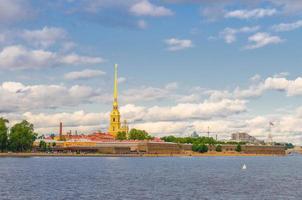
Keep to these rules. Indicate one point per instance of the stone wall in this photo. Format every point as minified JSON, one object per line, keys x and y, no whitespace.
{"x":163,"y":148}
{"x":252,"y":149}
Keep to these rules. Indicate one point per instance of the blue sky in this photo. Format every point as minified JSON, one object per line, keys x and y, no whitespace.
{"x":183,"y":65}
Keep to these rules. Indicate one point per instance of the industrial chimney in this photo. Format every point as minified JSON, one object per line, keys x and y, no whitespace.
{"x":61,"y":131}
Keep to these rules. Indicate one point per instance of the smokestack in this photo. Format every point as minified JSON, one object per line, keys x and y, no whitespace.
{"x":61,"y":131}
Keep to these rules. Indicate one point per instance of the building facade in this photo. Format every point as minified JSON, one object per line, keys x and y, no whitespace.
{"x":244,"y":137}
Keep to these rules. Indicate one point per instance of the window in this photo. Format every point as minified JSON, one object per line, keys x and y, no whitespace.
{"x":113,"y":119}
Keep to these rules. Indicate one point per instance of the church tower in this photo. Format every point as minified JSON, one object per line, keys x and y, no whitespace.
{"x":115,"y":117}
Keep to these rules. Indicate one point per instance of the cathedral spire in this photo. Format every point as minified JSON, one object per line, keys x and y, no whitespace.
{"x":115,"y":117}
{"x":115,"y":104}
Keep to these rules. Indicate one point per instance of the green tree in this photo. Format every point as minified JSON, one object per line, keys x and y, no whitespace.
{"x":22,"y":136}
{"x":219,"y":148}
{"x":201,"y":148}
{"x":289,"y":146}
{"x":121,"y":135}
{"x":3,"y":134}
{"x":238,"y":148}
{"x":170,"y":138}
{"x":195,"y":147}
{"x":136,"y":134}
{"x":41,"y":136}
{"x":196,"y":139}
{"x":42,"y":145}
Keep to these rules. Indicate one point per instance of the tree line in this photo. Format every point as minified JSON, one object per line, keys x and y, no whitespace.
{"x":18,"y":138}
{"x":134,"y":134}
{"x":200,"y":144}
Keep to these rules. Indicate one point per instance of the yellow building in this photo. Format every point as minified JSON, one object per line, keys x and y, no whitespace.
{"x":115,"y":116}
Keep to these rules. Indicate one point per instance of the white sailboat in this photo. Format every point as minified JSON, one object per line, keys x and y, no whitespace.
{"x":244,"y":167}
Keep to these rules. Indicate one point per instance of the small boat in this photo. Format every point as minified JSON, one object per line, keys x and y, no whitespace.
{"x":244,"y":167}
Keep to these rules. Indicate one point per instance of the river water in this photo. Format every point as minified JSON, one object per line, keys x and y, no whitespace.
{"x":151,"y":178}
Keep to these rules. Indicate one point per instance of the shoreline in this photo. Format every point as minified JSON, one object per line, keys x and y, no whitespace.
{"x":3,"y":155}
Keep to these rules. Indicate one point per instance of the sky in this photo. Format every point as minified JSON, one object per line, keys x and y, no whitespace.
{"x":184,"y":65}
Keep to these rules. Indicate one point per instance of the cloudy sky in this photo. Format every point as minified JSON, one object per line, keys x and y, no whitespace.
{"x":184,"y":65}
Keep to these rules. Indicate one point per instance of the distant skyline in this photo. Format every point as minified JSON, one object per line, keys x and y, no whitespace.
{"x":184,"y":65}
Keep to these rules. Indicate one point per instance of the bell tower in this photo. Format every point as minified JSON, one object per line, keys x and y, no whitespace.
{"x":115,"y":117}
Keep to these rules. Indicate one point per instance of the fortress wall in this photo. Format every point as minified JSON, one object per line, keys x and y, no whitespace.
{"x":252,"y":149}
{"x":163,"y":148}
{"x":276,"y":150}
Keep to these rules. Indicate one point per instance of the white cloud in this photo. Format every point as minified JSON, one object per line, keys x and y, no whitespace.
{"x":214,"y":10}
{"x":144,"y":93}
{"x":229,"y":34}
{"x":68,"y":45}
{"x":77,"y":118}
{"x":15,"y":96}
{"x":84,"y":74}
{"x":171,"y":86}
{"x":262,"y":39}
{"x":19,"y":57}
{"x":204,"y":110}
{"x":44,"y":37}
{"x":141,"y":117}
{"x":292,"y":87}
{"x":217,"y":95}
{"x":141,"y":94}
{"x":287,"y":26}
{"x":94,"y":6}
{"x":289,"y":6}
{"x":281,"y":75}
{"x":248,"y":14}
{"x":277,"y":83}
{"x":145,"y":8}
{"x":213,"y":13}
{"x":11,"y":11}
{"x":191,"y":98}
{"x":175,"y":44}
{"x":186,"y":111}
{"x":179,"y":115}
{"x":75,"y":59}
{"x":165,"y":128}
{"x":255,"y":78}
{"x":251,"y":92}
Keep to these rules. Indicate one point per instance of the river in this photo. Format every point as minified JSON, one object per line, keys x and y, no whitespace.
{"x":164,"y":178}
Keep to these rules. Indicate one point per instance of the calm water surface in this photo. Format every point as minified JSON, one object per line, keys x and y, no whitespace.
{"x":151,"y":178}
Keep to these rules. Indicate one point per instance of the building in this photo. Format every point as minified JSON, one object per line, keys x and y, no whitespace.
{"x":115,"y":116}
{"x":244,"y":137}
{"x":96,"y":136}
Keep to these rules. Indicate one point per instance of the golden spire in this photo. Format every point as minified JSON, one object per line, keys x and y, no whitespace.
{"x":115,"y":117}
{"x":115,"y":104}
